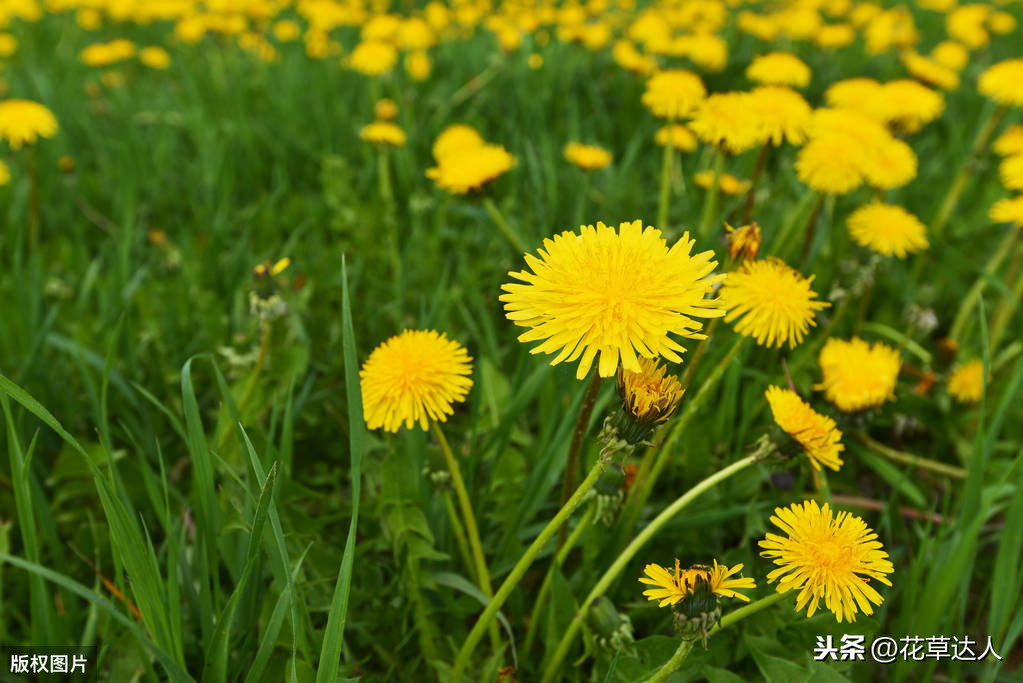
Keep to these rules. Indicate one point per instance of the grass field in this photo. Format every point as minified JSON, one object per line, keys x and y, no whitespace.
{"x":199,"y":258}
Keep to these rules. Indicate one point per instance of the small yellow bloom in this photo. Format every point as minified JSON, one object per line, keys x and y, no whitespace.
{"x":286,"y":30}
{"x":23,"y":122}
{"x":1003,"y":82}
{"x":745,"y":241}
{"x":727,"y":183}
{"x":670,"y":588}
{"x":966,"y":383}
{"x":8,"y":45}
{"x":385,"y":109}
{"x":456,"y":138}
{"x":154,"y":57}
{"x":888,"y":230}
{"x":729,"y":121}
{"x":674,"y":93}
{"x":857,"y":375}
{"x":587,"y":157}
{"x":779,"y":68}
{"x":1011,"y":172}
{"x":951,"y":55}
{"x":932,"y":71}
{"x":417,"y":64}
{"x":649,"y":396}
{"x":816,"y":434}
{"x":1007,"y":211}
{"x":5,"y":174}
{"x":535,"y":61}
{"x":1010,"y":142}
{"x":781,"y":113}
{"x":470,"y":168}
{"x":677,"y":135}
{"x":373,"y":58}
{"x":383,"y":133}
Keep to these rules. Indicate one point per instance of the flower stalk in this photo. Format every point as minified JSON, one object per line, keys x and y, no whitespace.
{"x":502,"y":225}
{"x":710,"y":204}
{"x":576,"y":444}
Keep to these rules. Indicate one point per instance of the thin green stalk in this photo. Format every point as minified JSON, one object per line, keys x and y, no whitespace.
{"x":576,"y":444}
{"x":685,"y":646}
{"x":584,"y":195}
{"x":384,"y":177}
{"x":751,"y":193}
{"x":980,"y":144}
{"x":503,"y":226}
{"x":782,"y":237}
{"x":710,"y":204}
{"x":33,"y":197}
{"x":665,"y":198}
{"x":810,"y":231}
{"x":559,"y":559}
{"x":909,"y":459}
{"x":738,"y":615}
{"x":459,"y":530}
{"x":487,"y":618}
{"x":637,"y":543}
{"x":482,"y":574}
{"x":1008,"y":305}
{"x":1004,"y":247}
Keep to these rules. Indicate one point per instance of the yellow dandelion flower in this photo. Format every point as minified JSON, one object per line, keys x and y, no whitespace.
{"x":412,"y":378}
{"x":1007,"y":210}
{"x":612,"y":293}
{"x":745,"y":241}
{"x":888,"y":230}
{"x":966,"y":24}
{"x":782,"y":114}
{"x":418,"y":65}
{"x":951,"y":55}
{"x":773,"y":302}
{"x":470,"y":168}
{"x":891,"y":163}
{"x":286,"y":30}
{"x":385,"y":109}
{"x":456,"y":138}
{"x":154,"y":57}
{"x":966,"y":383}
{"x":727,"y":183}
{"x":1003,"y":82}
{"x":677,"y":135}
{"x":779,"y":68}
{"x":1010,"y":142}
{"x":631,"y":59}
{"x":727,"y":120}
{"x":373,"y":58}
{"x":1011,"y":172}
{"x":535,"y":61}
{"x":5,"y":174}
{"x":910,"y":105}
{"x":673,"y":588}
{"x":649,"y":396}
{"x":587,"y":157}
{"x":706,"y":50}
{"x":8,"y":45}
{"x":857,"y":375}
{"x":23,"y":122}
{"x":930,"y":71}
{"x":828,"y":556}
{"x":816,"y":434}
{"x":674,"y":93}
{"x":1001,"y":23}
{"x":383,"y":133}
{"x":832,"y":164}
{"x":832,"y":36}
{"x":853,"y":93}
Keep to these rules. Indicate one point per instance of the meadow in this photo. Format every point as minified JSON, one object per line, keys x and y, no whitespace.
{"x":519,"y":341}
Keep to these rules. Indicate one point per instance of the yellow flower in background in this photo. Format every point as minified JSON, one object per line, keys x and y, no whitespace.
{"x":470,"y":168}
{"x":677,"y":135}
{"x":745,"y":241}
{"x":910,"y":105}
{"x":966,"y":24}
{"x":412,"y":378}
{"x":966,"y":383}
{"x":886,"y":229}
{"x":5,"y":174}
{"x":857,"y":375}
{"x":631,"y":59}
{"x":833,"y":36}
{"x":1007,"y":211}
{"x":373,"y":58}
{"x":890,"y":164}
{"x":456,"y":138}
{"x":727,"y":183}
{"x":154,"y":57}
{"x":930,"y":71}
{"x":859,"y":93}
{"x":728,"y":121}
{"x":1010,"y":142}
{"x":669,"y":588}
{"x":535,"y":61}
{"x":772,"y":302}
{"x":816,"y":434}
{"x":826,"y":555}
{"x":779,"y":68}
{"x":951,"y":55}
{"x":8,"y":45}
{"x":1001,"y":23}
{"x":385,"y":109}
{"x":286,"y":30}
{"x":673,"y":94}
{"x":1011,"y":172}
{"x":1003,"y":82}
{"x":705,"y":50}
{"x":832,"y":164}
{"x":621,"y":295}
{"x":383,"y":133}
{"x":418,"y":66}
{"x":781,"y":113}
{"x":587,"y":157}
{"x":105,"y":54}
{"x":23,"y":122}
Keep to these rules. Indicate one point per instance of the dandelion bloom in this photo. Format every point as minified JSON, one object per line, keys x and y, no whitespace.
{"x":835,"y":35}
{"x":857,"y":375}
{"x":1003,"y":82}
{"x":779,"y":68}
{"x":471,"y":168}
{"x":612,"y":293}
{"x":888,"y":230}
{"x":677,"y":135}
{"x":775,"y":303}
{"x":910,"y":105}
{"x":456,"y":138}
{"x":1007,"y":211}
{"x":782,"y":114}
{"x":383,"y":133}
{"x":154,"y":57}
{"x":891,"y":163}
{"x":5,"y":174}
{"x":673,"y":588}
{"x":418,"y":65}
{"x":853,"y":93}
{"x":930,"y":71}
{"x":832,"y":164}
{"x":816,"y":434}
{"x":727,"y":183}
{"x":951,"y":55}
{"x":413,"y":377}
{"x":587,"y":157}
{"x":8,"y":45}
{"x":745,"y":240}
{"x":966,"y":383}
{"x":1010,"y":142}
{"x":727,"y":120}
{"x":826,"y":556}
{"x":373,"y":58}
{"x":673,"y":93}
{"x":1011,"y":172}
{"x":649,"y":397}
{"x":23,"y":122}
{"x":385,"y":109}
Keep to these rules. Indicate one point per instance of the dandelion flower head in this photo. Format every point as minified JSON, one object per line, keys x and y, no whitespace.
{"x":470,"y":168}
{"x":650,"y":396}
{"x":779,"y":68}
{"x":383,"y":133}
{"x":373,"y":58}
{"x":455,"y":138}
{"x":728,"y":120}
{"x":886,"y":229}
{"x":587,"y":157}
{"x":782,"y":114}
{"x":727,"y":183}
{"x":1010,"y":142}
{"x":673,"y":93}
{"x":816,"y":434}
{"x":1007,"y":211}
{"x":671,"y":588}
{"x":966,"y":383}
{"x":1003,"y":82}
{"x":23,"y":122}
{"x":857,"y":375}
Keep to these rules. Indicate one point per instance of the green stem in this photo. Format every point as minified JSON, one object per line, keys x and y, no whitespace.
{"x":810,"y":231}
{"x":580,"y":205}
{"x":738,"y":615}
{"x":757,"y":170}
{"x":980,"y":144}
{"x":978,"y":287}
{"x":459,"y":531}
{"x":782,"y":237}
{"x":711,"y":201}
{"x":665,"y":198}
{"x":33,"y":197}
{"x":1008,"y":305}
{"x":908,"y":459}
{"x":576,"y":444}
{"x":685,"y":646}
{"x":638,"y":542}
{"x":469,"y":518}
{"x":559,"y":559}
{"x":503,"y":226}
{"x":384,"y":177}
{"x":462,"y":659}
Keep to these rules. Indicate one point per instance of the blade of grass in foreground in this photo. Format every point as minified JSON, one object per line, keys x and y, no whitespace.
{"x":330,"y":652}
